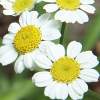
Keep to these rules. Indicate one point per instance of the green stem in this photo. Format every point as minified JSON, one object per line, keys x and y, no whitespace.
{"x":62,"y":32}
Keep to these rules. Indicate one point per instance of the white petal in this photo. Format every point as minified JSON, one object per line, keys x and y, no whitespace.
{"x":64,"y":16}
{"x":19,"y":65}
{"x":8,"y":39}
{"x":34,"y":14}
{"x":50,"y":34}
{"x":55,"y":52}
{"x":14,"y":27}
{"x":50,"y":8}
{"x":31,"y":17}
{"x":43,"y":62}
{"x":87,"y":60}
{"x":4,"y":49}
{"x":73,"y":94}
{"x":23,"y":18}
{"x":28,"y":62}
{"x":12,"y":0}
{"x":6,"y":4}
{"x":87,"y":1}
{"x":61,"y":15}
{"x":48,"y":90}
{"x":76,"y":16}
{"x":8,"y":12}
{"x":89,"y":75}
{"x":34,"y":53}
{"x":73,"y":49}
{"x":59,"y":91}
{"x":81,"y":16}
{"x":43,"y":46}
{"x":8,"y":57}
{"x":71,"y":19}
{"x":43,"y":19}
{"x":88,"y":8}
{"x":84,"y":56}
{"x":52,"y":24}
{"x":38,"y":1}
{"x":42,"y":79}
{"x":79,"y":86}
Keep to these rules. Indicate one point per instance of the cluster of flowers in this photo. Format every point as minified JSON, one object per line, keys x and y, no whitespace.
{"x":30,"y":44}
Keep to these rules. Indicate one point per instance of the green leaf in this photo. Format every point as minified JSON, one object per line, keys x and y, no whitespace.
{"x":18,"y":90}
{"x":39,"y":7}
{"x":98,"y":68}
{"x":93,"y":33}
{"x":91,"y":95}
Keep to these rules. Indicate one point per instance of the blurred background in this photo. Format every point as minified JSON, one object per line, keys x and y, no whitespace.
{"x":19,"y":86}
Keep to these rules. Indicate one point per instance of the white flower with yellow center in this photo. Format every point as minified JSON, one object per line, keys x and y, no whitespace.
{"x":68,"y":72}
{"x":70,"y":11}
{"x":16,"y":7}
{"x":25,"y":39}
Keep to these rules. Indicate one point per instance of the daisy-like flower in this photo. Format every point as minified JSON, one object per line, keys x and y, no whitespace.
{"x":24,"y":40}
{"x":16,"y":7}
{"x":68,"y":72}
{"x":70,"y":11}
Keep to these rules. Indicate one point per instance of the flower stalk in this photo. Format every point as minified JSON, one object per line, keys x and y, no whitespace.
{"x":62,"y":32}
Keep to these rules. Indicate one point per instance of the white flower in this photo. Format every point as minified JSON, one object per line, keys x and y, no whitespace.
{"x":16,"y":7}
{"x":69,"y":71}
{"x":70,"y":11}
{"x":25,"y":39}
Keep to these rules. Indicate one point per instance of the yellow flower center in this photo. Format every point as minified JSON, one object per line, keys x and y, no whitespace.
{"x":27,"y":39}
{"x":22,"y":5}
{"x":65,"y":70}
{"x":68,"y":4}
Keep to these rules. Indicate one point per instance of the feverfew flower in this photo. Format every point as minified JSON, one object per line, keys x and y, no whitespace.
{"x":16,"y":7}
{"x":69,"y":71}
{"x":70,"y":11}
{"x":24,"y":40}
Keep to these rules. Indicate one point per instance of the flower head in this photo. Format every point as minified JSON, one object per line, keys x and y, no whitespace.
{"x":69,"y":71}
{"x":25,"y":39}
{"x":70,"y":11}
{"x":16,"y":7}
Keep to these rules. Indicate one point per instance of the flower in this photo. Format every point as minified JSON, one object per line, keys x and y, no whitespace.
{"x":15,"y":7}
{"x":25,"y":39}
{"x":68,"y":74}
{"x":70,"y":11}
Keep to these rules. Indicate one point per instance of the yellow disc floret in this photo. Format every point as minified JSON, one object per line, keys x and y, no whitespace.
{"x":65,"y":70}
{"x":27,"y":39}
{"x":68,"y":4}
{"x":20,"y":6}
